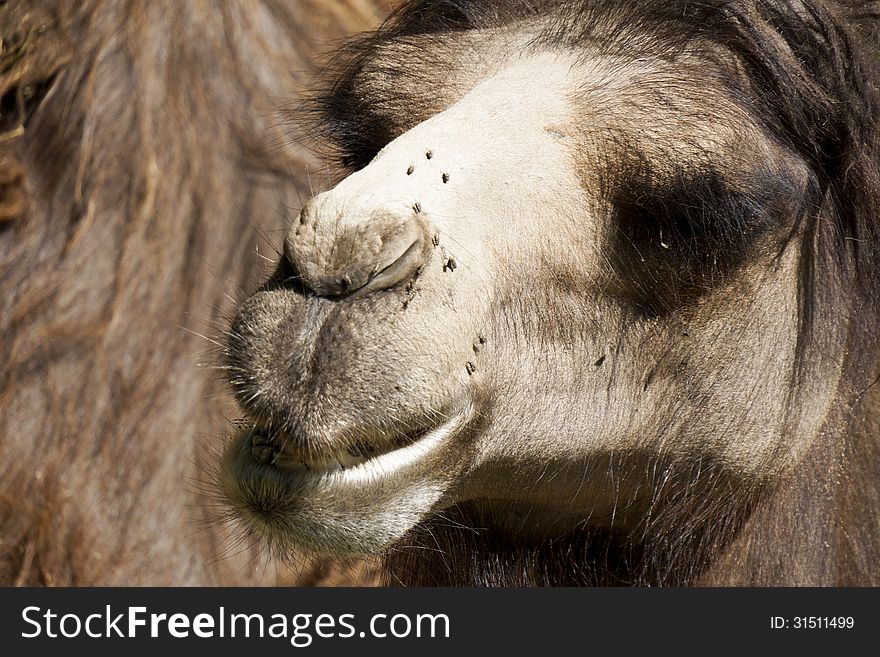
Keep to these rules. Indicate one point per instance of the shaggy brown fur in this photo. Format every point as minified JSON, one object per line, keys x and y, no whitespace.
{"x":138,"y":148}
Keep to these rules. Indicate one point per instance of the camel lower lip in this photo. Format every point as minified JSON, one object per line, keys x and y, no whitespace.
{"x":360,"y":509}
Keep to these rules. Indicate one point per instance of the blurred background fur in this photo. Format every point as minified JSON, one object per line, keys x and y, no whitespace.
{"x":140,"y":150}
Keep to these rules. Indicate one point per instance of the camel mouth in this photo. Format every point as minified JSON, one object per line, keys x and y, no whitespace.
{"x":270,"y":447}
{"x":358,"y":499}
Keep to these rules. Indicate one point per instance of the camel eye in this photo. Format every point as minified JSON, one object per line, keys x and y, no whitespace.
{"x":676,"y":237}
{"x":693,"y":216}
{"x":703,"y":214}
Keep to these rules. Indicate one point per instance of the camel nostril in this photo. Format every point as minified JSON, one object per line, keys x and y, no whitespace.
{"x":398,"y":269}
{"x":352,"y":248}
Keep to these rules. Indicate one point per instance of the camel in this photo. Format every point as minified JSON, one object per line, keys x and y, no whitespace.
{"x":596,"y":301}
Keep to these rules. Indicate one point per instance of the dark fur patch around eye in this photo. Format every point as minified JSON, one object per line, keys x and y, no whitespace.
{"x":674,"y":237}
{"x":693,"y":215}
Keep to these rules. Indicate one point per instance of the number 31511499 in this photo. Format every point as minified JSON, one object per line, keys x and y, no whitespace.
{"x":812,"y":622}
